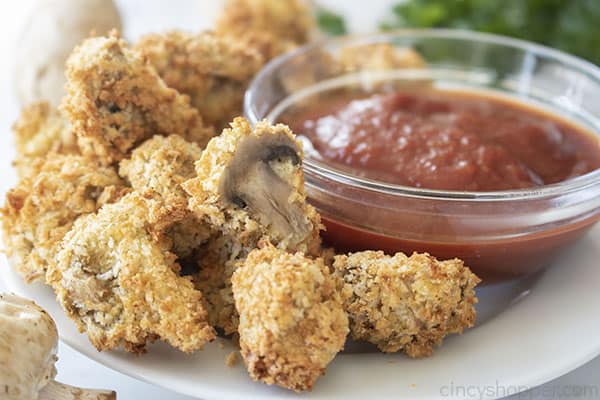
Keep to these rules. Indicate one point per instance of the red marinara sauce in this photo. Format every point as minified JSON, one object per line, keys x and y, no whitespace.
{"x":446,"y":140}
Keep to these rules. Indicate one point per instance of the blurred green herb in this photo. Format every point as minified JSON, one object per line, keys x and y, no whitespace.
{"x":569,"y":25}
{"x":330,"y":22}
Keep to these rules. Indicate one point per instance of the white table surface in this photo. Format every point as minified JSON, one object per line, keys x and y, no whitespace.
{"x":154,"y":15}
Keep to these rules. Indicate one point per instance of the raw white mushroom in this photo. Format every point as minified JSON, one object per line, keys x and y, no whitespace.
{"x":28,"y":344}
{"x":53,"y":29}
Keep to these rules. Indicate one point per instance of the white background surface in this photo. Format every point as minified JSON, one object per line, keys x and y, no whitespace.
{"x":143,"y":16}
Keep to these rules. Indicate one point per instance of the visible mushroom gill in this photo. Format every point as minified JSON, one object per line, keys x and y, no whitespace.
{"x":260,"y":180}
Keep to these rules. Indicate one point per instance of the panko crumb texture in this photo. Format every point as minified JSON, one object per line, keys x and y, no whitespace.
{"x":213,"y":70}
{"x":39,"y":131}
{"x":209,"y":202}
{"x":292,"y":323}
{"x":405,"y":303}
{"x":241,"y":228}
{"x":270,"y":26}
{"x":158,"y":167}
{"x":121,"y":287}
{"x":42,"y":208}
{"x":116,"y":100}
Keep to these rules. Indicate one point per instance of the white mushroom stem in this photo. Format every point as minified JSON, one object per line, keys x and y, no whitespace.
{"x":59,"y":391}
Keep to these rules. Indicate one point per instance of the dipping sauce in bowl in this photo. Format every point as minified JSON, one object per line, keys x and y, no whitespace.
{"x":490,"y":153}
{"x":445,"y":140}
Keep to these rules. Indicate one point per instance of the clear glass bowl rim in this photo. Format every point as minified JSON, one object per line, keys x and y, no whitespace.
{"x":319,"y":170}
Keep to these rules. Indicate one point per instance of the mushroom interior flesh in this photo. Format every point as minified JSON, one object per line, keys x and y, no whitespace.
{"x":263,"y":180}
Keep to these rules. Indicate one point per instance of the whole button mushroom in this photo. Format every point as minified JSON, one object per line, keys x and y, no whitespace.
{"x":53,"y":29}
{"x":28,"y":344}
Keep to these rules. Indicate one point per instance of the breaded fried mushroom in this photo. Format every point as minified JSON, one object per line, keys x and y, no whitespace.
{"x":216,"y":261}
{"x":292,"y":323}
{"x":159,"y":166}
{"x":249,"y":187}
{"x":121,"y":287}
{"x":39,"y":131}
{"x":405,"y":303}
{"x":269,"y":26}
{"x":290,"y":20}
{"x":41,"y":209}
{"x":117,"y":100}
{"x":214,"y":71}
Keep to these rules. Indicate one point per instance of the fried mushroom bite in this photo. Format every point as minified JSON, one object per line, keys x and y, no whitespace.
{"x":270,"y":26}
{"x":216,"y":261}
{"x":405,"y":303}
{"x":121,"y":287}
{"x":117,"y":100}
{"x":213,"y":70}
{"x":250,"y":186}
{"x":292,"y":323}
{"x":290,"y":20}
{"x":159,"y":166}
{"x":41,"y":209}
{"x":39,"y":131}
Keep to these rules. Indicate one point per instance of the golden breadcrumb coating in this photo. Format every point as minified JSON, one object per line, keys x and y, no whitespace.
{"x":405,"y":303}
{"x":270,"y":26}
{"x":379,"y":56}
{"x":217,"y":259}
{"x":41,"y":209}
{"x":214,"y":71}
{"x":292,"y":323}
{"x":249,"y":187}
{"x":39,"y":131}
{"x":121,"y":287}
{"x":117,"y":100}
{"x":160,"y":165}
{"x":287,"y":20}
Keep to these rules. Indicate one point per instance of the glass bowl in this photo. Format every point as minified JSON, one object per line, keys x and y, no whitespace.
{"x":500,"y":235}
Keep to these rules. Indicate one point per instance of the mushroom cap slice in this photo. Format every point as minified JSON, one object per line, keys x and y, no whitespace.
{"x":250,"y":186}
{"x":28,"y":345}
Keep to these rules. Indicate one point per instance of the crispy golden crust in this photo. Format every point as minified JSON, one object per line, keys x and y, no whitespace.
{"x":41,"y":209}
{"x":242,"y":225}
{"x":212,"y":70}
{"x":121,"y":287}
{"x":217,"y":260}
{"x":159,"y":166}
{"x":292,"y":323}
{"x":240,"y":228}
{"x":39,"y":131}
{"x":290,"y":20}
{"x":405,"y":303}
{"x":116,"y":100}
{"x":379,"y":56}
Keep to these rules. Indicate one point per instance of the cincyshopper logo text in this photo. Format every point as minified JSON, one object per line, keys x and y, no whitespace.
{"x":498,"y":390}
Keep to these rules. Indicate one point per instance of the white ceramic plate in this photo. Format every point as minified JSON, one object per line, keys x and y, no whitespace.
{"x":528,"y":332}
